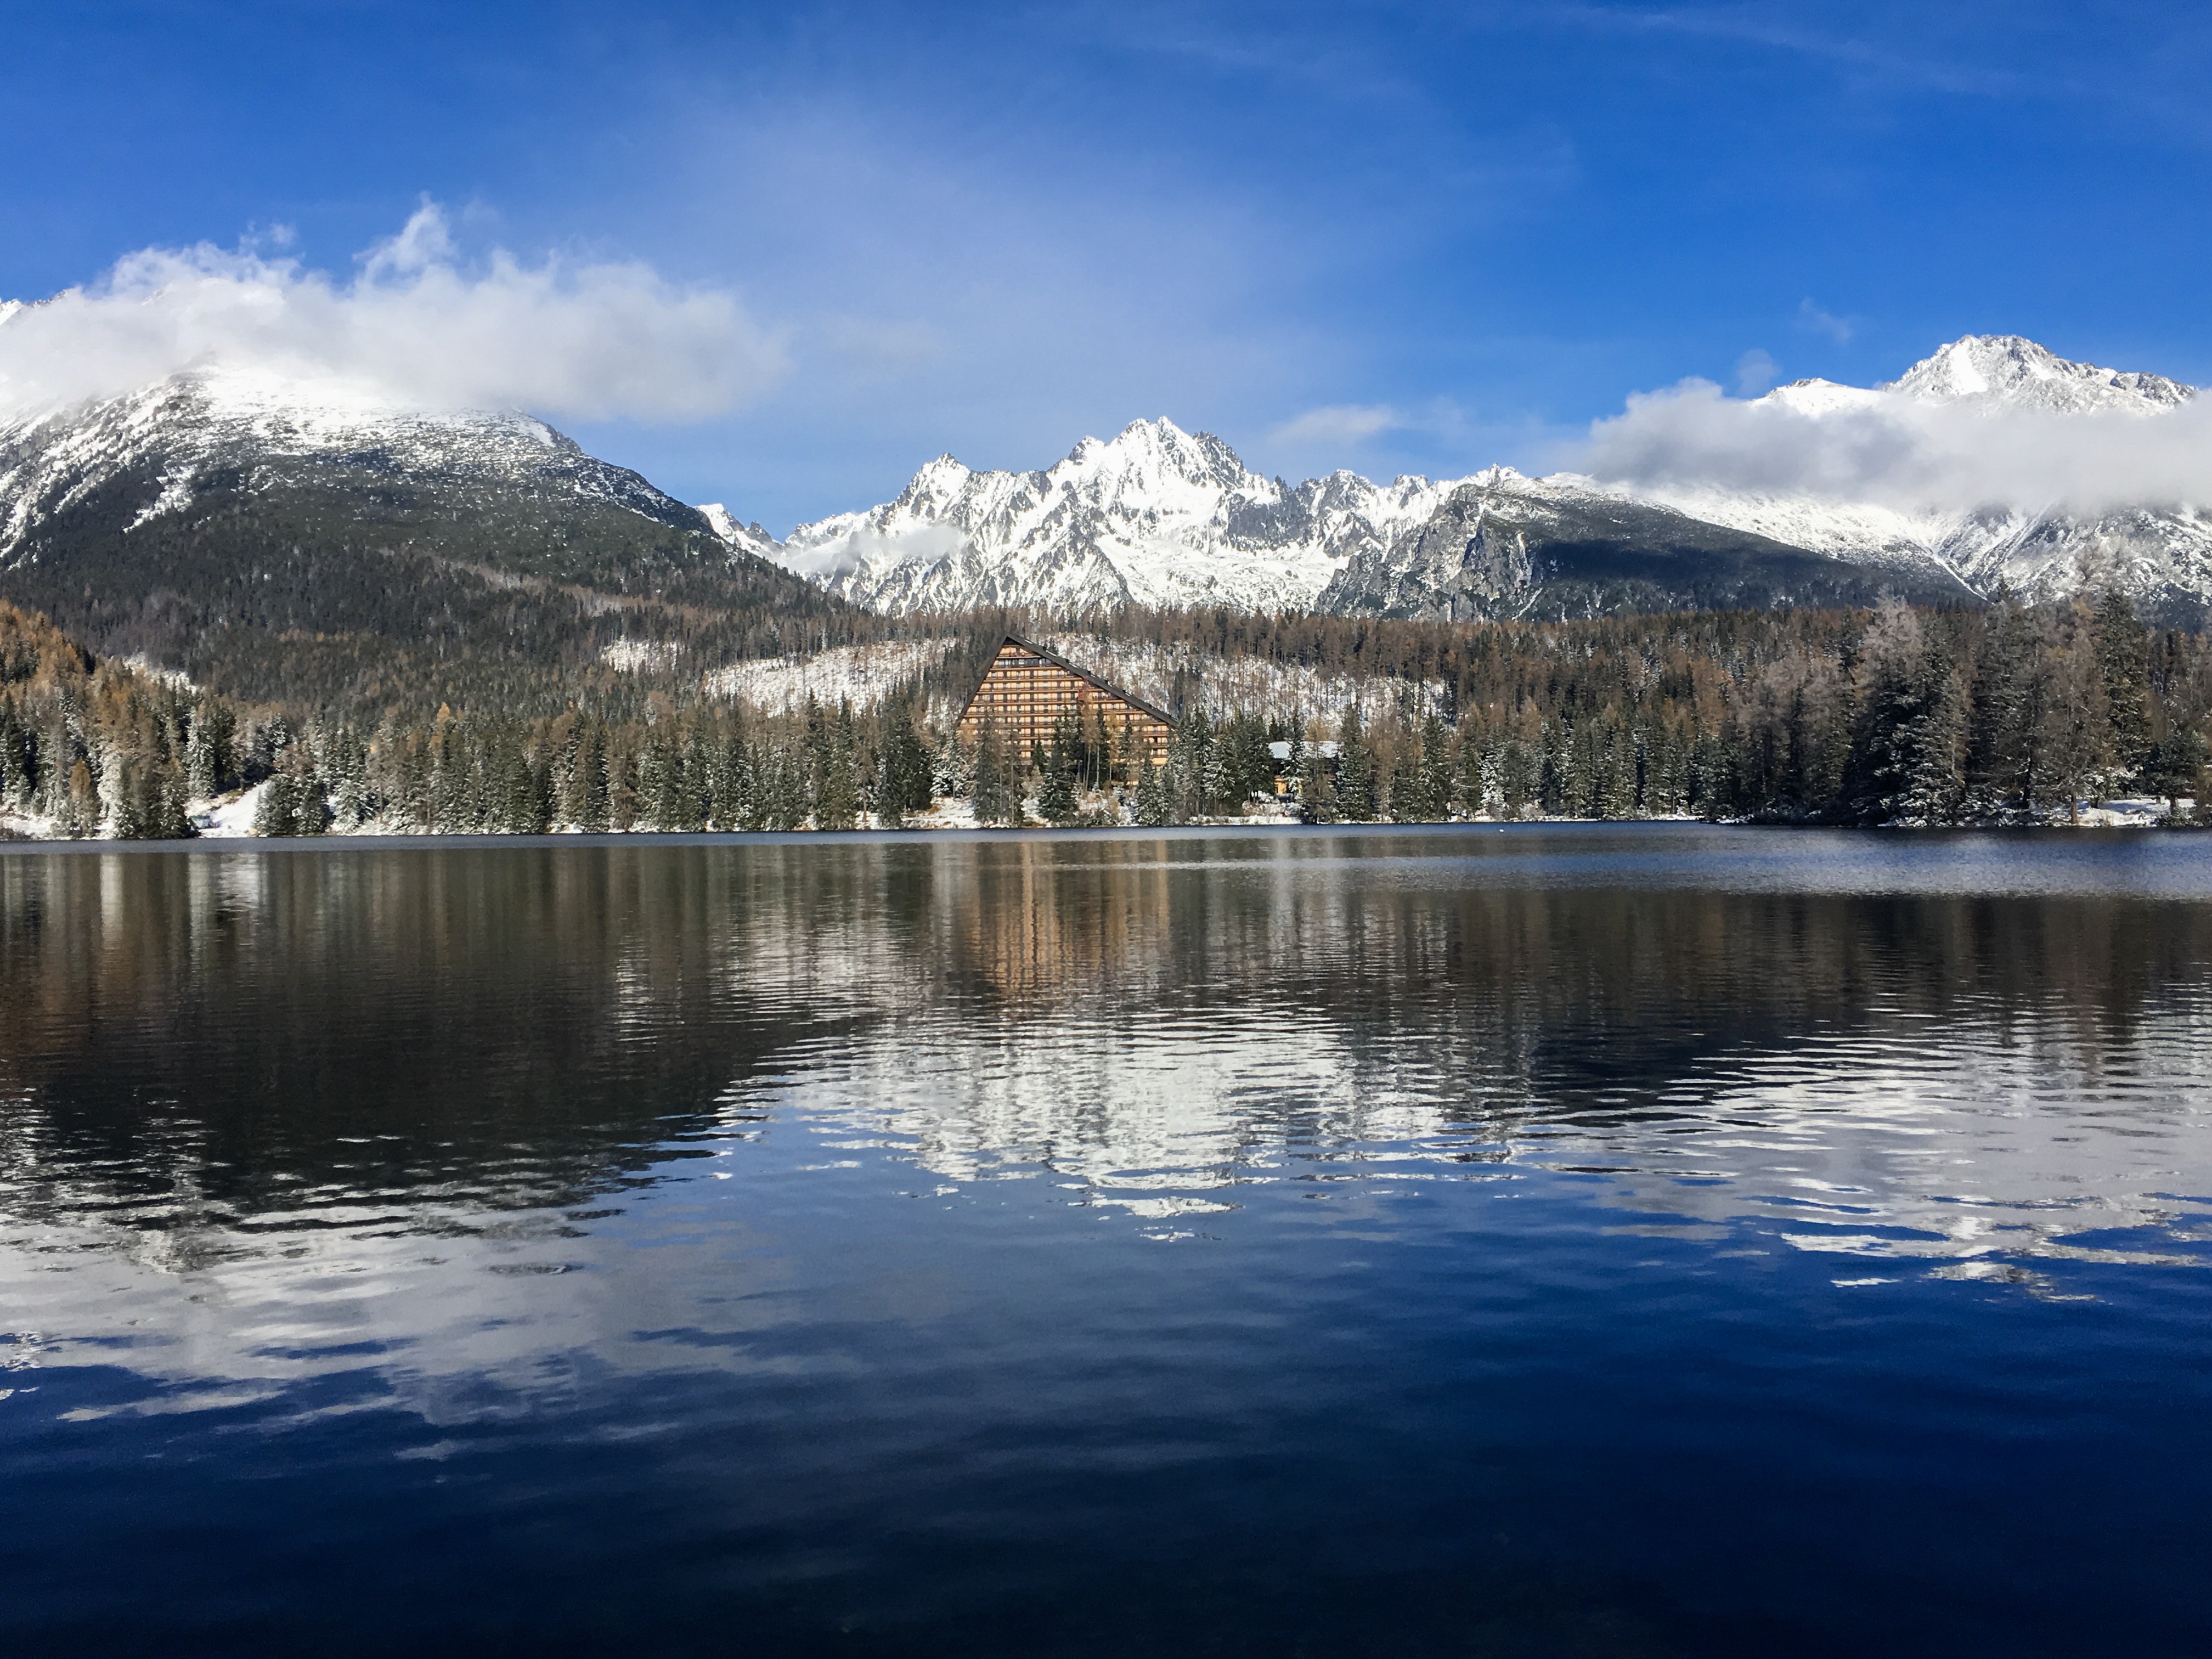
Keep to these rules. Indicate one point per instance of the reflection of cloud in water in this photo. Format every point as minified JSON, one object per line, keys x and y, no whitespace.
{"x":1997,"y":1134}
{"x":1149,"y":1126}
{"x":264,"y":1119}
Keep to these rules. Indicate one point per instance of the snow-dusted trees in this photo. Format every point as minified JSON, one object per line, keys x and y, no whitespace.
{"x":2010,"y":713}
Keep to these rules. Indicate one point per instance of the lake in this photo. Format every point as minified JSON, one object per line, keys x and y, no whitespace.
{"x":1648,"y":1239}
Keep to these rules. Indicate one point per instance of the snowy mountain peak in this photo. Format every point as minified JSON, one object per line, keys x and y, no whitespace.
{"x":166,"y":442}
{"x":2006,"y":371}
{"x":1148,"y":453}
{"x":1817,"y":396}
{"x":1154,"y":515}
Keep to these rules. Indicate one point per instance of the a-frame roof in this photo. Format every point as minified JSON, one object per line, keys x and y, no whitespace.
{"x":1084,"y":674}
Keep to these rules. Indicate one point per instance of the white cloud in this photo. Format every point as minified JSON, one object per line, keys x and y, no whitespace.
{"x":1339,"y":424}
{"x":1838,"y":329}
{"x":417,"y":327}
{"x":1755,"y":371}
{"x":1906,"y":452}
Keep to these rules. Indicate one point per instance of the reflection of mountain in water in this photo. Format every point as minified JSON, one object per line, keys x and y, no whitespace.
{"x":202,"y":1050}
{"x":1895,"y":1075}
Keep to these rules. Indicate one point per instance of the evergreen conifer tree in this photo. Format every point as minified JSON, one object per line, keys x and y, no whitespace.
{"x":273,"y":808}
{"x":2124,"y":668}
{"x":1355,"y":771}
{"x":1056,"y":788}
{"x":997,"y":796}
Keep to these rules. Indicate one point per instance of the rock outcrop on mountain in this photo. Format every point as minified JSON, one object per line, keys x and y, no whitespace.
{"x":269,"y":545}
{"x":1505,"y":546}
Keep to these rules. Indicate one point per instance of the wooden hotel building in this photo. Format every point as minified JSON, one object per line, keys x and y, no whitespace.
{"x":1027,"y":691}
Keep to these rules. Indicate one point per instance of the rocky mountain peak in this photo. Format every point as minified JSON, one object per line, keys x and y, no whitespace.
{"x":2009,"y":371}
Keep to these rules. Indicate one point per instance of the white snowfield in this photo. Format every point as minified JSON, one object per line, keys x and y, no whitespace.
{"x":860,"y":674}
{"x":1159,"y":516}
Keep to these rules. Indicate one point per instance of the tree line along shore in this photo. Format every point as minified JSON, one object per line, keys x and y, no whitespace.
{"x":2008,"y":713}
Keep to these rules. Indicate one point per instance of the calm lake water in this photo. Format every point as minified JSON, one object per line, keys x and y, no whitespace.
{"x":1635,"y":1240}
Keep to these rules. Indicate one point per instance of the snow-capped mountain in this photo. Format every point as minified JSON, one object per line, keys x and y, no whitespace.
{"x":279,"y":540}
{"x":2006,"y":370}
{"x":1505,"y":545}
{"x":1154,"y":516}
{"x":2159,"y":552}
{"x":1158,"y":516}
{"x":180,"y":436}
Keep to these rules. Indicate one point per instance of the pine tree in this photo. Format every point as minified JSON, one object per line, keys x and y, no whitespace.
{"x":311,"y":804}
{"x":2124,"y":668}
{"x":584,"y":787}
{"x":902,"y":768}
{"x":996,"y":797}
{"x":1155,"y":806}
{"x":273,"y":808}
{"x":1056,"y":788}
{"x":2002,"y":714}
{"x":2174,"y":763}
{"x":208,"y":767}
{"x":1355,"y":771}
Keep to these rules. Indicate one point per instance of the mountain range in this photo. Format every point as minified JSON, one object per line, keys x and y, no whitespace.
{"x":1159,"y":516}
{"x":279,"y":542}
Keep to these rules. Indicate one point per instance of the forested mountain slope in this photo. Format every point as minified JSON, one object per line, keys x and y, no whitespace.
{"x":348,"y":559}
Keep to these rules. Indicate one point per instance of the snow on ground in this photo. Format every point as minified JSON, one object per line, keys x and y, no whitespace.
{"x":226,"y":816}
{"x":1148,"y":671}
{"x":628,"y":656}
{"x":863,"y":675}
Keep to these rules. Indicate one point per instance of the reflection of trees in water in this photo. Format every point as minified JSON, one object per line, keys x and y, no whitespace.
{"x":473,"y":1029}
{"x":1170,"y":1018}
{"x":454,"y":1030}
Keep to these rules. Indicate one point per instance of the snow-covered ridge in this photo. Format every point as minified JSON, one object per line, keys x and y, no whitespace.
{"x":1159,"y":516}
{"x":2158,"y":550}
{"x":2004,"y":370}
{"x":1154,"y":516}
{"x":180,"y":430}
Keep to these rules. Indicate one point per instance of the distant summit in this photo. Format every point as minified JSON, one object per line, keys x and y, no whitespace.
{"x":2007,"y":371}
{"x":1154,"y":515}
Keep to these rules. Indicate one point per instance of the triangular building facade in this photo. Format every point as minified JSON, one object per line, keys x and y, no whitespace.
{"x":1028,"y":691}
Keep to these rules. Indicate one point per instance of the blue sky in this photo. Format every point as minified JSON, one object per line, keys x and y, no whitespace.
{"x":1394,"y":237}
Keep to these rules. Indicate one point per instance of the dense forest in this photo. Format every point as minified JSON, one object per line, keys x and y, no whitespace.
{"x":2008,"y":713}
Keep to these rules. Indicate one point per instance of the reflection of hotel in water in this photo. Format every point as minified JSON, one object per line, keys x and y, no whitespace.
{"x":1028,"y":691}
{"x":1046,"y":919}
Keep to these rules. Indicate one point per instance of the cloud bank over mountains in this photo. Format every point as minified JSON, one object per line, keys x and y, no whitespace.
{"x":415,"y":327}
{"x":1905,"y":449}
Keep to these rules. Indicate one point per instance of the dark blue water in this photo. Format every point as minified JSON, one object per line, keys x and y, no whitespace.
{"x":1636,"y":1241}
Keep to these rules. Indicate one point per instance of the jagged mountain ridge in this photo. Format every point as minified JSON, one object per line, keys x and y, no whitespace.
{"x":271,"y":542}
{"x":1506,"y":545}
{"x":214,"y":430}
{"x":1154,"y":516}
{"x":1162,"y":517}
